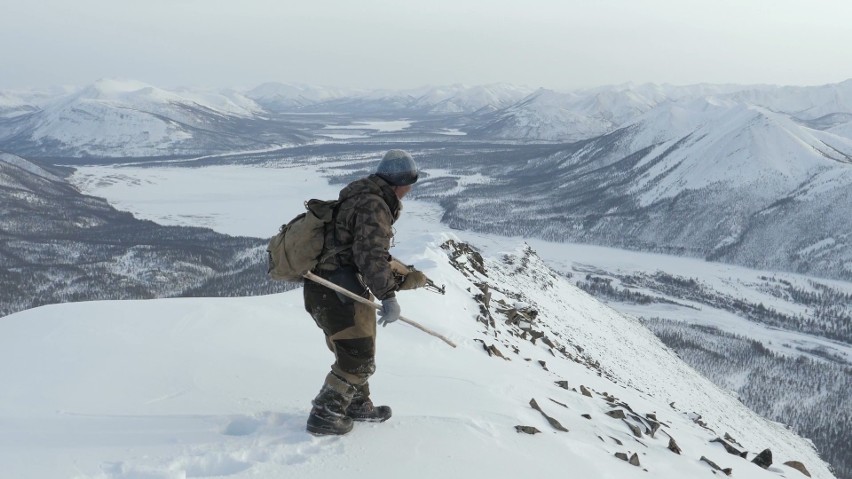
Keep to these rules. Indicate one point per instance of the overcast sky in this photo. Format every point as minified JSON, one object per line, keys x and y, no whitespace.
{"x":559,"y":44}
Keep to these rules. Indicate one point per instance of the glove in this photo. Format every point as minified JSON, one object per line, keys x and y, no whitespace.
{"x":414,"y":280}
{"x":390,"y":311}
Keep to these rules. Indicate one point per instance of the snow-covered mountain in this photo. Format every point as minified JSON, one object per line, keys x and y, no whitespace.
{"x":18,"y":102}
{"x":57,"y":245}
{"x":429,"y":100}
{"x":548,"y":115}
{"x":12,"y":105}
{"x":583,"y":114}
{"x":470,"y":99}
{"x":124,"y":118}
{"x":276,"y":96}
{"x":805,"y":103}
{"x":706,"y":177}
{"x":222,"y":387}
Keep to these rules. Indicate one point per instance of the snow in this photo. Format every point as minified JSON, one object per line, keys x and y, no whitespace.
{"x":221,"y":387}
{"x":826,"y":243}
{"x":116,"y":117}
{"x":451,"y":132}
{"x":235,"y":200}
{"x":733,"y":145}
{"x":207,"y":387}
{"x":28,"y":166}
{"x":341,"y":136}
{"x":379,"y":126}
{"x":734,"y":281}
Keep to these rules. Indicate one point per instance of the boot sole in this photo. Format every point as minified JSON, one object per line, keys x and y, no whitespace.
{"x":316,"y":431}
{"x":366,"y":419}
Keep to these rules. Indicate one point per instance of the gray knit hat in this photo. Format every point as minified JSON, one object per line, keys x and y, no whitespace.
{"x":398,"y":168}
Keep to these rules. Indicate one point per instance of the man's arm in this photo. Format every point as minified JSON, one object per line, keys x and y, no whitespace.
{"x":372,"y":231}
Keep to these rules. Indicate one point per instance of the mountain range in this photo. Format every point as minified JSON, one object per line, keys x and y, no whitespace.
{"x":714,"y":179}
{"x":756,"y":175}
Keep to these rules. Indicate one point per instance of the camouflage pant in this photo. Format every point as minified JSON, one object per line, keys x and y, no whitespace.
{"x":350,"y":333}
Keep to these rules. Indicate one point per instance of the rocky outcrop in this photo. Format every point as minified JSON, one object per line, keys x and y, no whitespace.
{"x":715,"y":466}
{"x":553,"y":422}
{"x":730,"y":449}
{"x":764,"y":459}
{"x":633,"y":459}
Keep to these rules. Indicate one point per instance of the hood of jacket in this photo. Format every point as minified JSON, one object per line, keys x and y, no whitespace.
{"x":373,"y":185}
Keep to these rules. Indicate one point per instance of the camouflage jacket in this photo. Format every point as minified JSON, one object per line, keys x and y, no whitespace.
{"x":367,"y":210}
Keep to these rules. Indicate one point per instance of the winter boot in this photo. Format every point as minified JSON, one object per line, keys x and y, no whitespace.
{"x":365,"y":411}
{"x":326,"y":422}
{"x":328,"y":416}
{"x":362,"y":409}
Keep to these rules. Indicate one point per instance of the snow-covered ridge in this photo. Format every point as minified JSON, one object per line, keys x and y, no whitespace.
{"x":571,"y":116}
{"x":28,"y":166}
{"x":116,"y":118}
{"x":221,"y":387}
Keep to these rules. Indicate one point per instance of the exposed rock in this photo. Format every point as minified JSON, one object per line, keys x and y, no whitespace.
{"x":472,"y":258}
{"x":730,"y":449}
{"x":493,"y":351}
{"x":798,"y":466}
{"x":651,"y":416}
{"x":512,"y":316}
{"x":485,"y":298}
{"x":563,"y":384}
{"x":616,"y":441}
{"x":764,"y":459}
{"x":633,"y":428}
{"x":715,"y":466}
{"x":585,"y":391}
{"x":557,"y":402}
{"x":587,"y":416}
{"x":655,"y":426}
{"x":543,"y":365}
{"x":634,"y":459}
{"x":553,"y":422}
{"x":616,"y":413}
{"x":626,"y":406}
{"x":527,"y":429}
{"x":650,"y":428}
{"x":673,"y":447}
{"x":732,"y":440}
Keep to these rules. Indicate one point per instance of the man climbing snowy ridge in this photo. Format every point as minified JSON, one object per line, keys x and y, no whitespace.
{"x":367,"y":210}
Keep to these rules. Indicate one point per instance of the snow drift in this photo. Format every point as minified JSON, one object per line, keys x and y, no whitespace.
{"x":221,"y":387}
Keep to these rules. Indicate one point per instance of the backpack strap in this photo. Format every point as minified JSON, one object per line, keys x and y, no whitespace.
{"x":336,"y":249}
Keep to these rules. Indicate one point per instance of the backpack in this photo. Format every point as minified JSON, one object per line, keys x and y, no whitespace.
{"x":299,"y":244}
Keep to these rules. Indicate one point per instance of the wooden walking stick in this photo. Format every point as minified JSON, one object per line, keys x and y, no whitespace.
{"x":350,"y":294}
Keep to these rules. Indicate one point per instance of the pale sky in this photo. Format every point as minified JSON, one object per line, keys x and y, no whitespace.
{"x":558,"y":44}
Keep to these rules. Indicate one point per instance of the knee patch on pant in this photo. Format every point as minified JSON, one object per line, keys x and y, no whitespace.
{"x":356,"y":357}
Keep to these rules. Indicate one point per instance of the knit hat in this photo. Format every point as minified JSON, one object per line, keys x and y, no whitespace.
{"x":398,"y":168}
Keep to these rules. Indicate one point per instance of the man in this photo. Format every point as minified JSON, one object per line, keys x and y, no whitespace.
{"x":358,"y":238}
